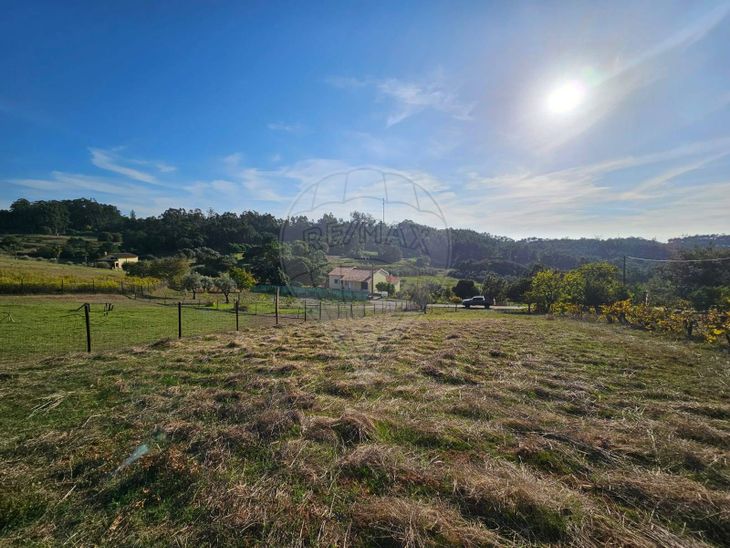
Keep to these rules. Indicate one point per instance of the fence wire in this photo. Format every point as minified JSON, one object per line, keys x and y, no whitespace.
{"x":35,"y":327}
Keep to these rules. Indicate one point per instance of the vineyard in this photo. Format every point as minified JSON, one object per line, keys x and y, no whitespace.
{"x":19,"y":277}
{"x":712,"y":326}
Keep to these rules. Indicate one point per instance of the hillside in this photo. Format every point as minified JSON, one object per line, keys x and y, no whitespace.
{"x":468,"y":428}
{"x":468,"y":252}
{"x":41,"y":268}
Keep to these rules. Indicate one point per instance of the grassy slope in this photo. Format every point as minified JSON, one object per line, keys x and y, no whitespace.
{"x":32,"y":267}
{"x":469,"y":428}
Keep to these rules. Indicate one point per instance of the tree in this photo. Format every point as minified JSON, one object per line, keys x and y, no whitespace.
{"x":593,"y":285}
{"x":243,"y":278}
{"x":517,"y":289}
{"x":493,"y":287}
{"x":171,"y":270}
{"x":385,"y":286}
{"x":389,"y":253}
{"x":419,"y":295}
{"x":545,"y":289}
{"x":702,"y":277}
{"x":206,"y":283}
{"x":264,"y":262}
{"x":465,"y":289}
{"x":304,"y":264}
{"x":11,"y":243}
{"x":192,"y":282}
{"x":225,"y":285}
{"x":52,"y":251}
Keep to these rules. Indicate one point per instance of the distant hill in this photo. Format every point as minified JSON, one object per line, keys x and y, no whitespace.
{"x":707,"y":240}
{"x":256,"y":234}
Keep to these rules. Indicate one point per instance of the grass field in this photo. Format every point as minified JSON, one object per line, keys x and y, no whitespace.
{"x":465,"y":429}
{"x":441,"y":279}
{"x":35,"y":326}
{"x":43,"y":268}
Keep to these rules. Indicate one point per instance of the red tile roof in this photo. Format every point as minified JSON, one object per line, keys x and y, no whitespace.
{"x":352,"y":274}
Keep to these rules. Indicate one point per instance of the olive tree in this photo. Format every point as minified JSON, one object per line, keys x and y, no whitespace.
{"x":225,"y":285}
{"x":192,"y":282}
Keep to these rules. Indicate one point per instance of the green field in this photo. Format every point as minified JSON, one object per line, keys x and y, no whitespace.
{"x":33,"y":326}
{"x":469,"y":428}
{"x":44,"y":325}
{"x":31,"y":268}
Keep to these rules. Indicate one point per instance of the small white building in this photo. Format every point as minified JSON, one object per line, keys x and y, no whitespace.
{"x":118,"y":259}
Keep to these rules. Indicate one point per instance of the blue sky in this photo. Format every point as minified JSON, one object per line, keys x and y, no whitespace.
{"x":234,"y":106}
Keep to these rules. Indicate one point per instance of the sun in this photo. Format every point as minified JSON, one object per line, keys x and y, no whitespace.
{"x":566,"y":97}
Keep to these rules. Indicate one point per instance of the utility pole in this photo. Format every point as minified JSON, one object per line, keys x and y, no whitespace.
{"x":624,"y":275}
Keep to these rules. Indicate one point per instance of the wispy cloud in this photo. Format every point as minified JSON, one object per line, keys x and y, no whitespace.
{"x":286,"y":128}
{"x":600,"y":198}
{"x":60,"y":181}
{"x":111,"y":160}
{"x":411,"y":97}
{"x":683,"y":38}
{"x":584,"y":199}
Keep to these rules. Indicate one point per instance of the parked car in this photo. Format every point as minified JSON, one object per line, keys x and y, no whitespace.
{"x":478,"y":300}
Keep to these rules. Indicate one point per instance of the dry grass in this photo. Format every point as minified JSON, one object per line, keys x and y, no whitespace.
{"x":459,"y":429}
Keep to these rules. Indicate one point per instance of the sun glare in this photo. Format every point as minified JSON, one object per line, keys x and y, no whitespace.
{"x":566,"y":97}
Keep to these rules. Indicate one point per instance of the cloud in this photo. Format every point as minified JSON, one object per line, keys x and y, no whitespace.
{"x":410,"y":97}
{"x":655,"y":187}
{"x":287,"y":128}
{"x":584,"y":199}
{"x":111,"y":160}
{"x":597,"y":198}
{"x":61,"y":181}
{"x":683,"y":38}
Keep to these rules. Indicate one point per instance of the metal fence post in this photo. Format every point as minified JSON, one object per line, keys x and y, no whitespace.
{"x":179,"y":320}
{"x":276,"y":305}
{"x":237,"y":300}
{"x":351,"y":314}
{"x":87,"y":310}
{"x":305,"y":310}
{"x":320,"y":310}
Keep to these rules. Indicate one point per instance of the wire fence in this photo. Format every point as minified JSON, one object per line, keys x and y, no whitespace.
{"x":33,"y":327}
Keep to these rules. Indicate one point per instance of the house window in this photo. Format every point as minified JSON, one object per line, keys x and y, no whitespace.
{"x":364,"y":285}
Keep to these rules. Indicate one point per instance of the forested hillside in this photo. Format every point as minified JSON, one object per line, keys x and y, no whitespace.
{"x":258,"y":234}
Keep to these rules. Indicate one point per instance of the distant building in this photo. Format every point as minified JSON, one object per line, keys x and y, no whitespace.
{"x":395,"y":280}
{"x":360,"y":279}
{"x":118,"y":259}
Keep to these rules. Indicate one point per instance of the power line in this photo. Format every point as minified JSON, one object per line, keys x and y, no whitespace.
{"x":715,"y":259}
